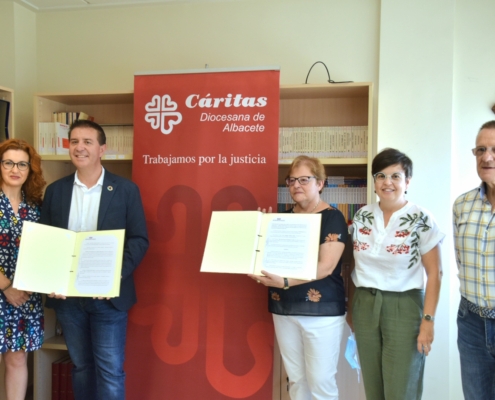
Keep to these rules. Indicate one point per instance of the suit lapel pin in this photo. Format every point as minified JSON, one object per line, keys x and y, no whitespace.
{"x":109,"y":188}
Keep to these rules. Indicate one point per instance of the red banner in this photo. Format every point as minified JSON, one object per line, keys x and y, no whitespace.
{"x":202,"y":142}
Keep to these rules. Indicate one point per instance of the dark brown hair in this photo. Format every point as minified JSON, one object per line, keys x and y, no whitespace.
{"x":33,"y":187}
{"x":388,"y":157}
{"x":85,"y":123}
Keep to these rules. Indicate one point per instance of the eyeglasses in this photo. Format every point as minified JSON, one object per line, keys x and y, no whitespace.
{"x":381,"y":177}
{"x":303,"y":180}
{"x":21,"y":165}
{"x":480,"y":150}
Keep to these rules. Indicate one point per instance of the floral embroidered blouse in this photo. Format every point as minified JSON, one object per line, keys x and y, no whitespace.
{"x":322,"y":297}
{"x":389,"y":258}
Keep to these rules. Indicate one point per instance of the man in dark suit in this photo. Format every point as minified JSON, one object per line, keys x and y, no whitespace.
{"x":94,"y":199}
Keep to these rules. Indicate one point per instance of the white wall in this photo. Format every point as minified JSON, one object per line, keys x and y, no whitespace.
{"x":474,"y":85}
{"x":474,"y":96}
{"x":101,"y":49}
{"x":7,"y":66}
{"x":415,"y":116}
{"x":436,"y":89}
{"x":433,"y":62}
{"x":18,"y":62}
{"x":25,"y":70}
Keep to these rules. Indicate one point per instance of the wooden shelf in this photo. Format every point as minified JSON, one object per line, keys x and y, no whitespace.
{"x":334,"y":161}
{"x":82,"y":99}
{"x":330,"y":90}
{"x":43,"y":359}
{"x":107,"y":109}
{"x":347,"y":104}
{"x":344,"y":104}
{"x":106,"y":157}
{"x":54,"y":343}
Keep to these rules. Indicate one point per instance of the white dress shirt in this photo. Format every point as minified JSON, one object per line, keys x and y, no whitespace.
{"x":85,"y":205}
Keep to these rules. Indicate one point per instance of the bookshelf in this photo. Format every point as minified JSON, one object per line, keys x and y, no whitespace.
{"x":8,"y":95}
{"x":328,"y":105}
{"x":113,"y":109}
{"x":52,"y":349}
{"x":300,"y":106}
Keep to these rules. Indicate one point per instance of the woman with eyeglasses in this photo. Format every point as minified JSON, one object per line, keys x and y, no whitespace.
{"x":309,"y":316}
{"x":395,"y":243}
{"x":21,"y":313}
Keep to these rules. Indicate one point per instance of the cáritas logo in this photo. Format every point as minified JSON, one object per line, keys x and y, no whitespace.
{"x":161,"y":113}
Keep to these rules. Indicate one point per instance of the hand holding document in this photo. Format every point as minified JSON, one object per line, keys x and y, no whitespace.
{"x":56,"y":260}
{"x":247,"y":242}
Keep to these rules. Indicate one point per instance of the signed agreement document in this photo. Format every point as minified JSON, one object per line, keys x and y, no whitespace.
{"x":56,"y":260}
{"x":246,"y":242}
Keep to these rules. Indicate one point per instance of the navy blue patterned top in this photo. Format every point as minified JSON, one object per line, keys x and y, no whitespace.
{"x":21,"y":328}
{"x":321,"y":297}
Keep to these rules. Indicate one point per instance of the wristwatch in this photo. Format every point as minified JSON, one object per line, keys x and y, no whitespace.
{"x":429,"y":317}
{"x":286,"y":284}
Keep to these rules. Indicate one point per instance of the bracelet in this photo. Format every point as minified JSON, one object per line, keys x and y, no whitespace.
{"x":6,"y":287}
{"x":286,"y":284}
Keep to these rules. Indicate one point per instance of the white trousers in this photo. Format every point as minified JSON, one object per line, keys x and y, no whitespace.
{"x":310,"y":348}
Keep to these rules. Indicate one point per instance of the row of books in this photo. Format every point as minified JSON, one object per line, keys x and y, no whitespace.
{"x":62,"y":379}
{"x":69,"y":117}
{"x":348,"y":210}
{"x":323,"y":142}
{"x":338,"y":190}
{"x":344,"y":193}
{"x":53,"y":138}
{"x":119,"y":139}
{"x":330,"y":195}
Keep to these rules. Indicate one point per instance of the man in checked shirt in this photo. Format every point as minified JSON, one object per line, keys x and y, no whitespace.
{"x":474,"y":240}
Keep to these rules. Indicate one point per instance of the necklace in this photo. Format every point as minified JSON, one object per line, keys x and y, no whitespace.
{"x":314,"y":208}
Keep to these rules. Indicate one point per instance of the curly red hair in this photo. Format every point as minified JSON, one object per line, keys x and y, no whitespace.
{"x":33,"y":187}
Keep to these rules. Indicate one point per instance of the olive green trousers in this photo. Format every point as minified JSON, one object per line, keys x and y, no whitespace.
{"x":386,"y":327}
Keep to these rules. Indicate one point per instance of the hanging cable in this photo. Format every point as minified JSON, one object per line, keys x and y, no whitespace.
{"x":328,"y":73}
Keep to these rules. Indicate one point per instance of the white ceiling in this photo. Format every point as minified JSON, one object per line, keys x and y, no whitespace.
{"x":51,"y":5}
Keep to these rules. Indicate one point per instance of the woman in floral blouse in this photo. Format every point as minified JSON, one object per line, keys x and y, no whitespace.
{"x":21,"y":313}
{"x":395,"y":243}
{"x":309,"y":316}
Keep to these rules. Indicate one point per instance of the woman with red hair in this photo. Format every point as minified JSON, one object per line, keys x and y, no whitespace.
{"x":21,"y":313}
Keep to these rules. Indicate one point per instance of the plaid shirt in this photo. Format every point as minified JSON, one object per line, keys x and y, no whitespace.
{"x":474,"y":240}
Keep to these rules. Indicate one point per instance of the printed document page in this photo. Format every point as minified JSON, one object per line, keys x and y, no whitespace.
{"x":96,"y":268}
{"x":246,"y":242}
{"x":291,"y":246}
{"x":56,"y":260}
